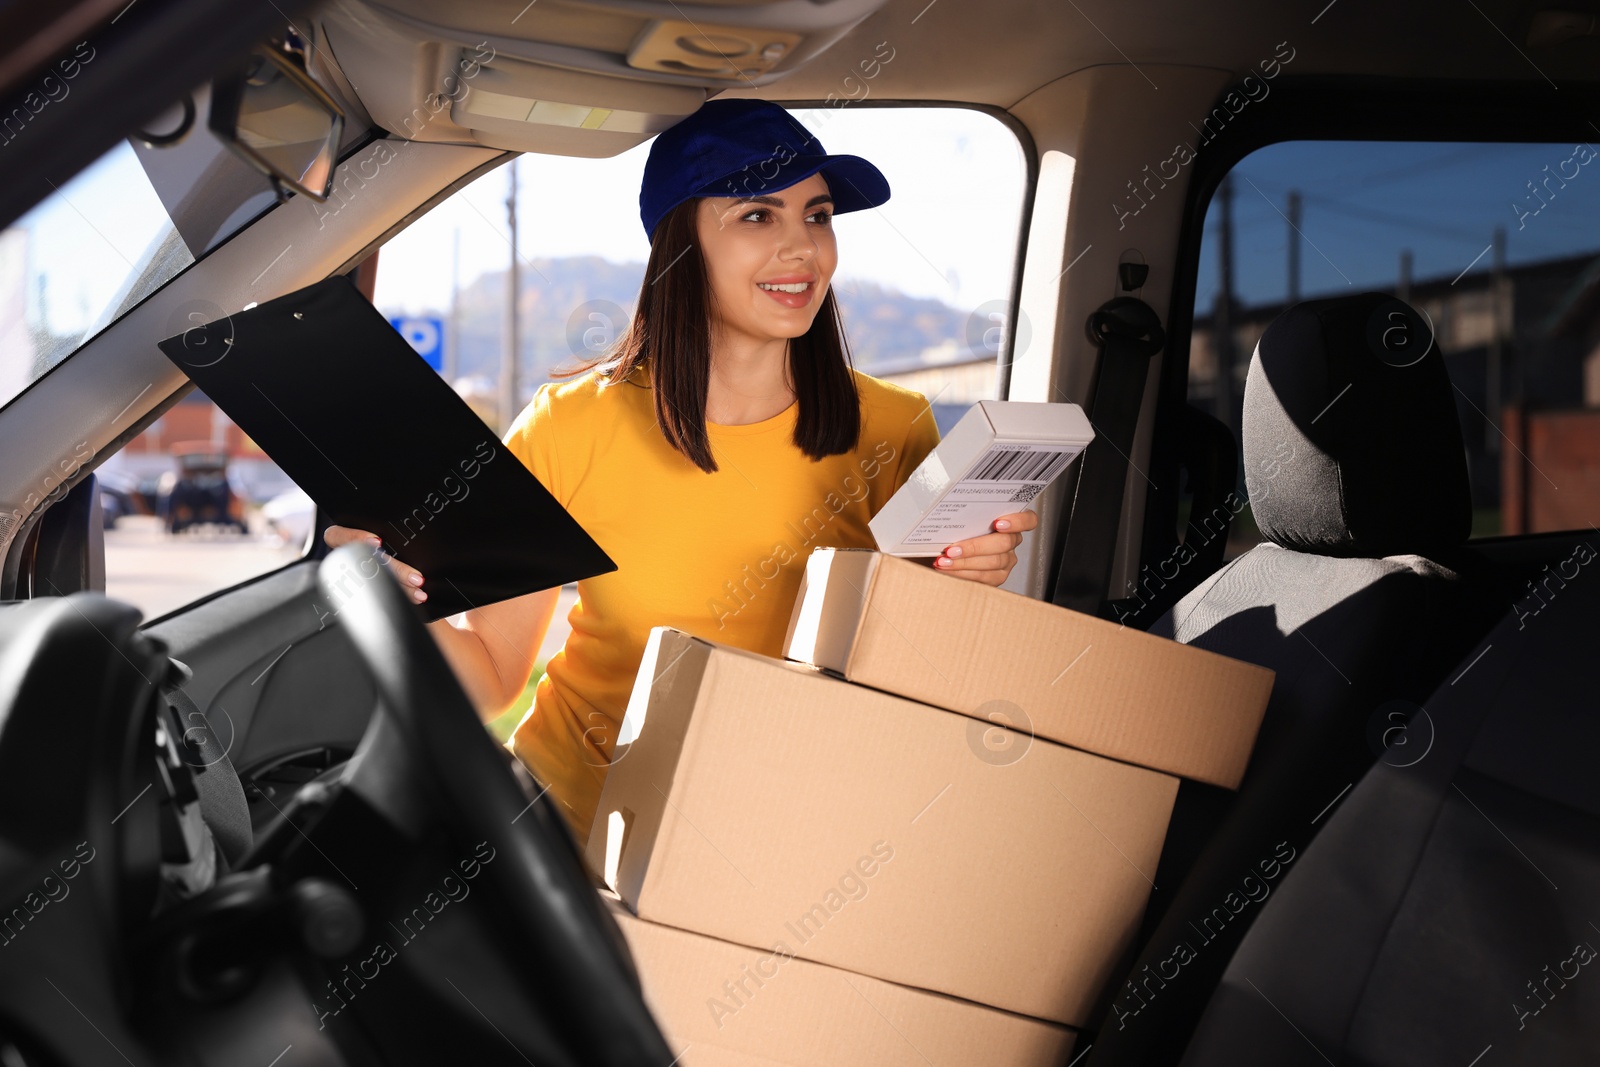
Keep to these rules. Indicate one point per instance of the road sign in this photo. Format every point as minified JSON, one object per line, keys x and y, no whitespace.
{"x":426,"y":336}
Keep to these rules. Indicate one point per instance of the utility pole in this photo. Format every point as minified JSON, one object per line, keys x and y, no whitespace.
{"x":508,"y":354}
{"x":452,"y":339}
{"x":1403,"y":290}
{"x":1497,"y":332}
{"x":1222,"y":314}
{"x":1294,"y":246}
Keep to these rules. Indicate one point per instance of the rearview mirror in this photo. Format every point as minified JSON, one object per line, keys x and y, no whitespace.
{"x":279,"y":121}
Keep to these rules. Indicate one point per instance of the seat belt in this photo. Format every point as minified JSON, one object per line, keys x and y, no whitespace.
{"x":1127,"y":331}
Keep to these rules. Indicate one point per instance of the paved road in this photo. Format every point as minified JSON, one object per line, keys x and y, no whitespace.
{"x":159,"y":573}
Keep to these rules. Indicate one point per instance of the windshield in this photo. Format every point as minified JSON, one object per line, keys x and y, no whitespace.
{"x":95,"y":247}
{"x":113,"y":235}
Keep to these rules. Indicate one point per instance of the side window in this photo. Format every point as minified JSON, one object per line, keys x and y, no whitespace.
{"x":192,"y":506}
{"x":1496,"y":243}
{"x":923,"y":282}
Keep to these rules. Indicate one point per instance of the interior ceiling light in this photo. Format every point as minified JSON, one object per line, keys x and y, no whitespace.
{"x":710,"y":50}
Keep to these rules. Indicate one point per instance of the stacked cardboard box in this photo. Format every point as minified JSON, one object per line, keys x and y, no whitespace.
{"x":974,"y":842}
{"x":1070,"y":677}
{"x":727,"y":1005}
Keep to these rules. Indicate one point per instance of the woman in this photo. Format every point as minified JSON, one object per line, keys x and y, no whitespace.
{"x":724,"y":439}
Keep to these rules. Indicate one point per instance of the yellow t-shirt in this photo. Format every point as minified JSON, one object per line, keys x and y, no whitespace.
{"x":716,"y":555}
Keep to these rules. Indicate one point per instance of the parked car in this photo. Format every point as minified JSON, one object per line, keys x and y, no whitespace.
{"x":118,"y":497}
{"x":197,"y":492}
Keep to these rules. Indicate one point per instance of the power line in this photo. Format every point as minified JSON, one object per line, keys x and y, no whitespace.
{"x":1383,"y":217}
{"x":1387,"y":177}
{"x":1379,"y":217}
{"x":1421,"y":166}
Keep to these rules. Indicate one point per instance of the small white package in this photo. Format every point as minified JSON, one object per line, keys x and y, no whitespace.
{"x":993,"y":462}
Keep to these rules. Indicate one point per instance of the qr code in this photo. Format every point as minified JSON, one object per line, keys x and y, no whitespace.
{"x":1026,"y":493}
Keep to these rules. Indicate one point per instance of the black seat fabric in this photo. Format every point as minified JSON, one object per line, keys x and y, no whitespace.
{"x":1450,"y":910}
{"x":1361,"y":598}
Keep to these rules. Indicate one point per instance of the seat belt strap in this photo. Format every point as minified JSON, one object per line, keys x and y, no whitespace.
{"x":1128,"y":332}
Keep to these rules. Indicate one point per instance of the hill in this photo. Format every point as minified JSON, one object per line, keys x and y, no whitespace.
{"x":574,"y":307}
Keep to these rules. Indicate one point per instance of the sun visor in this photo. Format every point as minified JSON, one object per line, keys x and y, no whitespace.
{"x":591,"y":78}
{"x":520,"y":105}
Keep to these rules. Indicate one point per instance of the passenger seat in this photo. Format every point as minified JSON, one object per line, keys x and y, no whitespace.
{"x":1449,"y":912}
{"x":1360,"y":597}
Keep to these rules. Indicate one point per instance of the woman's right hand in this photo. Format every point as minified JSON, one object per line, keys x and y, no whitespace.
{"x":409,"y":576}
{"x":491,"y":648}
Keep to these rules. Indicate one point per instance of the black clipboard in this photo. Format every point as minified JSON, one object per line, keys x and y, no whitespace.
{"x":338,"y":399}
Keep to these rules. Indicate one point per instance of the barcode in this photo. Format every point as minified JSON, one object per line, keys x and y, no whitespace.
{"x":1013,"y":465}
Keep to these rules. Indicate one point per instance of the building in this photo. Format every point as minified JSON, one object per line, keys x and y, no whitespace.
{"x":952,"y":380}
{"x":1527,"y":340}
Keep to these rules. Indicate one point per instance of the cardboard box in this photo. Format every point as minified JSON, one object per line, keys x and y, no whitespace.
{"x":765,"y":803}
{"x":1063,"y":675}
{"x":727,"y":1005}
{"x":994,"y":461}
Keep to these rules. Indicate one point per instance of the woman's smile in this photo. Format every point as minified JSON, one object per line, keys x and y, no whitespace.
{"x":791,"y":292}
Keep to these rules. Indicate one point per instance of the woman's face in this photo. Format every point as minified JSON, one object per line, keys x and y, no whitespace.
{"x":754,"y":245}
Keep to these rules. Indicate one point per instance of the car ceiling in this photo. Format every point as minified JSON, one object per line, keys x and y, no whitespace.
{"x":394,"y":53}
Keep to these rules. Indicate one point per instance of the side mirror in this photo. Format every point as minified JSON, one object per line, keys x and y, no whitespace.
{"x":64,"y":551}
{"x":280,"y":121}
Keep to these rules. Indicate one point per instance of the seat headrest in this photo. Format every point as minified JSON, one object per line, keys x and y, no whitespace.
{"x":1352,"y":446}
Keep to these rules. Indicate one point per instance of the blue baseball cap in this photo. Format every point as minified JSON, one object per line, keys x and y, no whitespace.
{"x":747,"y":148}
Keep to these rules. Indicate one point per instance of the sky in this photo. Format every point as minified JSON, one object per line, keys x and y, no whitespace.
{"x":1363,"y":202}
{"x":949,"y":230}
{"x":89,"y":236}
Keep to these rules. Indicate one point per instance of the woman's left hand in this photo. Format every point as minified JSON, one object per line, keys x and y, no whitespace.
{"x":988,"y":558}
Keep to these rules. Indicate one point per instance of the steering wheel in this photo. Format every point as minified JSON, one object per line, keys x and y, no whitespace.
{"x":560,"y":928}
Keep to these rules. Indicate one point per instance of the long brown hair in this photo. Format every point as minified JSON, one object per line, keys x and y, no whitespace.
{"x":670,"y":336}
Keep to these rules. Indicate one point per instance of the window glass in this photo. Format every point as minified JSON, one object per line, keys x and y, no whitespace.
{"x":120,"y":230}
{"x":192,"y":506}
{"x":68,"y":266}
{"x":923,"y":281}
{"x":1496,"y":243}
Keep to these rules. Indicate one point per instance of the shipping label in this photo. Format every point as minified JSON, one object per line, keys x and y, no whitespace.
{"x":1005,"y":474}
